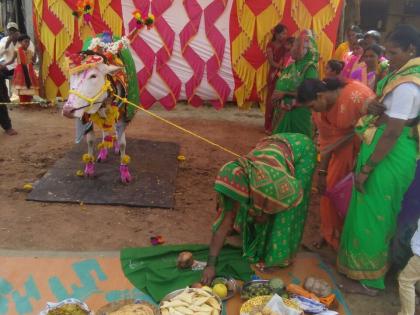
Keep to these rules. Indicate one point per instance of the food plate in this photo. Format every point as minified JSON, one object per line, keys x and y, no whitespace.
{"x":230,"y":283}
{"x":257,"y":304}
{"x":255,"y":283}
{"x":201,"y":294}
{"x":117,"y":305}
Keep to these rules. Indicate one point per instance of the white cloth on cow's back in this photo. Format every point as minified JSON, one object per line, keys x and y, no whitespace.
{"x":7,"y":54}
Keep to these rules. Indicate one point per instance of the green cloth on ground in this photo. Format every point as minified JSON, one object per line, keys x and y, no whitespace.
{"x":276,"y":241}
{"x":153,"y":270}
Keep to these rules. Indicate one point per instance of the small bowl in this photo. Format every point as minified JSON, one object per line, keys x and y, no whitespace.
{"x":253,"y":282}
{"x":230,"y":283}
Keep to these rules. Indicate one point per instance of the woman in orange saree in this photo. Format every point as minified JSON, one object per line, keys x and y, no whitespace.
{"x":338,"y":105}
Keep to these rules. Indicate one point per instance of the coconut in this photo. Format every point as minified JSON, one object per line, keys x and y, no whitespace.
{"x":185,"y":260}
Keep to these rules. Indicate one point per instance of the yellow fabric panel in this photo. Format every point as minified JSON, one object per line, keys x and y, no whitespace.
{"x":261,"y":83}
{"x":341,"y":51}
{"x":50,"y":89}
{"x":48,"y":39}
{"x":110,"y":17}
{"x":301,"y":15}
{"x":38,"y":6}
{"x":45,"y":65}
{"x":246,"y":73}
{"x":65,"y":14}
{"x":266,"y":21}
{"x":247,"y":22}
{"x":64,"y":89}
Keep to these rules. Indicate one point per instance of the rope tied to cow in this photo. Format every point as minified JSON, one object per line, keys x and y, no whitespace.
{"x":126,"y":101}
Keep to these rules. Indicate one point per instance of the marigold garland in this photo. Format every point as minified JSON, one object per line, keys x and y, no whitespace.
{"x":126,"y":159}
{"x":143,"y":20}
{"x":106,"y":123}
{"x":85,"y":8}
{"x":87,"y":158}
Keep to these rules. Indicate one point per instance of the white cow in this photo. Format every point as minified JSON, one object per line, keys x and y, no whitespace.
{"x":91,"y":103}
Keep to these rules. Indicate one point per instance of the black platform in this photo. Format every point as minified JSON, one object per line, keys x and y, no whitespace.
{"x":154,"y":167}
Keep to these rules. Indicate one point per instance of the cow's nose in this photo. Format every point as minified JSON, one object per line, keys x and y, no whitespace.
{"x":68,"y":112}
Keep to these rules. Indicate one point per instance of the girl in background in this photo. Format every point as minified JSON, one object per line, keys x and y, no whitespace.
{"x":276,"y":58}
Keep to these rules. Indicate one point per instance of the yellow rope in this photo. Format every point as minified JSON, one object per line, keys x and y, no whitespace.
{"x":177,"y":126}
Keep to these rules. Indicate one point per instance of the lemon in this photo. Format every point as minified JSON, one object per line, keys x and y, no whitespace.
{"x":220,"y":290}
{"x":80,"y":173}
{"x":27,"y":187}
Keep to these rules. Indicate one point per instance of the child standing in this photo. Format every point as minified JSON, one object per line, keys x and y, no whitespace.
{"x":409,"y":276}
{"x":25,"y":79}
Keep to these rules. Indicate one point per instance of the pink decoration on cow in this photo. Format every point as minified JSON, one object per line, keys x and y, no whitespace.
{"x":90,"y":169}
{"x":125,"y":174}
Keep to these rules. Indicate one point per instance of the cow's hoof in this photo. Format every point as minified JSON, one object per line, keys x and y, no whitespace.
{"x":125,"y":174}
{"x":103,"y":155}
{"x":90,"y":169}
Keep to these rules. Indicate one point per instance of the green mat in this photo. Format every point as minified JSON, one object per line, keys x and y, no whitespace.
{"x":153,"y":269}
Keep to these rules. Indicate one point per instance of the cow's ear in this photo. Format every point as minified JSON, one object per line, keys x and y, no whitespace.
{"x":110,"y":69}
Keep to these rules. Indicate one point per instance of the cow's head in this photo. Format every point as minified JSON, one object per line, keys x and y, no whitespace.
{"x":88,"y":85}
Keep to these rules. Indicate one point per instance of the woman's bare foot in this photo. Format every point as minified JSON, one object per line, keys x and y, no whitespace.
{"x":320,"y":243}
{"x":11,"y":132}
{"x":355,"y":287}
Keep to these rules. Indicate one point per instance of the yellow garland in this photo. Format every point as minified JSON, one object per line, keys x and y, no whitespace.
{"x":125,"y":160}
{"x":87,"y":158}
{"x":106,"y":123}
{"x":105,"y":145}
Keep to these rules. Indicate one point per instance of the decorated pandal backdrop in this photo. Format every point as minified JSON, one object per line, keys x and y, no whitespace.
{"x":197,"y":50}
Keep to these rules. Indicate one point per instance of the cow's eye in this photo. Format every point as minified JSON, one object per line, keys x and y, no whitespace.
{"x":93,"y":76}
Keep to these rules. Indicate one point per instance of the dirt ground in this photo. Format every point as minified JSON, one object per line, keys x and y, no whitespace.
{"x":45,"y":136}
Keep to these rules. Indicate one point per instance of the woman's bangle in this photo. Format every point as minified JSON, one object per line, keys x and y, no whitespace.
{"x":364,"y":171}
{"x":212,"y":261}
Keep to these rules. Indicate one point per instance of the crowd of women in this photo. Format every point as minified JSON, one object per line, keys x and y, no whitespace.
{"x":363,"y":117}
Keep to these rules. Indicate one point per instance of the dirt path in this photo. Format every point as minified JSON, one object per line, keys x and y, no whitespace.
{"x":45,"y":136}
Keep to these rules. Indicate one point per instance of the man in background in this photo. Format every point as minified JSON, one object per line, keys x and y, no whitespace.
{"x":7,"y":51}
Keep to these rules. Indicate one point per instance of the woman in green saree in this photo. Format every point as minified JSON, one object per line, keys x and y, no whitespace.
{"x":287,"y":116}
{"x":385,"y":168}
{"x":264,"y":196}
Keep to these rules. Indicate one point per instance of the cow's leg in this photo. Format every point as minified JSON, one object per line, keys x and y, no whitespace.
{"x":89,"y":158}
{"x":125,"y":159}
{"x":103,"y":147}
{"x":116,"y":144}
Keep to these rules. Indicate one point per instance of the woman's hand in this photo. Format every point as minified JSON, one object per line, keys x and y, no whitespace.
{"x":277,"y":96}
{"x":263,"y":218}
{"x":375,"y":108}
{"x":208,"y":275}
{"x":322,"y":184}
{"x":361,"y":178}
